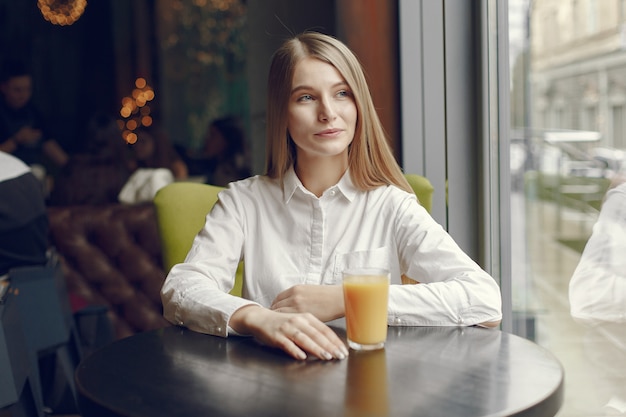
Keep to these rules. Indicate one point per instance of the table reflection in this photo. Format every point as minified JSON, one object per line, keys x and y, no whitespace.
{"x":366,"y":384}
{"x":604,"y":347}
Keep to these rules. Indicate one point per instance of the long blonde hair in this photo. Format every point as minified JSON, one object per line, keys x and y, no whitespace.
{"x":371,"y":161}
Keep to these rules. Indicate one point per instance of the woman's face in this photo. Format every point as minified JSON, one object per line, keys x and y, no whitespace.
{"x":322,"y":112}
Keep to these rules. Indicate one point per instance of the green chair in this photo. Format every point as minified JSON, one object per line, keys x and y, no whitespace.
{"x":181,"y":209}
{"x":423,"y":189}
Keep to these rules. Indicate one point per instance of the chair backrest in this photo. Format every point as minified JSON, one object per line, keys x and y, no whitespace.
{"x":423,"y":189}
{"x":47,"y":323}
{"x":181,"y":209}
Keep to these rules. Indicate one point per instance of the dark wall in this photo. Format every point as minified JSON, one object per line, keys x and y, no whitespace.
{"x":88,"y":67}
{"x":72,"y":66}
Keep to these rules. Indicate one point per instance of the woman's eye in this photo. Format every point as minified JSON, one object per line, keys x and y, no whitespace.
{"x":344,"y":93}
{"x":306,"y":97}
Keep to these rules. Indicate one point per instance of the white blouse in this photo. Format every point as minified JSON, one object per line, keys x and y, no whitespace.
{"x":287,"y":236}
{"x":597,"y":290}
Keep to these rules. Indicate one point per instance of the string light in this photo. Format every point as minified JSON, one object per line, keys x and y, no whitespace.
{"x":135,"y":110}
{"x":62,"y":12}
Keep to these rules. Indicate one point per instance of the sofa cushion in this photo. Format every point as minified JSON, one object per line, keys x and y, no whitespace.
{"x":111,"y":256}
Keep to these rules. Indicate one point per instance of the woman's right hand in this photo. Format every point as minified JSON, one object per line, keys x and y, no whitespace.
{"x":298,"y":334}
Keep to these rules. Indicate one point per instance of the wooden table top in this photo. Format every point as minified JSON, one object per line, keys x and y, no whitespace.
{"x":422,"y":371}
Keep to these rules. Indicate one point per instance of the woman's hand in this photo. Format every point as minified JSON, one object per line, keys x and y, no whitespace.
{"x":298,"y":334}
{"x":323,"y":301}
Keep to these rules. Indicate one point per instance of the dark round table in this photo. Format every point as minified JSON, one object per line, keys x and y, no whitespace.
{"x":422,"y":371}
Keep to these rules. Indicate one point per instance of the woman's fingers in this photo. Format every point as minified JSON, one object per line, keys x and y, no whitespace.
{"x":306,"y":334}
{"x":298,"y":334}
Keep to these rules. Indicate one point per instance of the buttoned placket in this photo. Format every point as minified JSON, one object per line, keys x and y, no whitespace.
{"x":317,"y":242}
{"x":318,"y":221}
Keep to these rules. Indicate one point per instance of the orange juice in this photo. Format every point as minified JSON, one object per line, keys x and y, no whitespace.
{"x":366,"y":295}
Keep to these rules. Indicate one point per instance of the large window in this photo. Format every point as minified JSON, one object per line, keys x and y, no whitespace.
{"x":568,"y":71}
{"x":545,"y":122}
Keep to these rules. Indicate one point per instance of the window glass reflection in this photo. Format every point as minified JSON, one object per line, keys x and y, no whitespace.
{"x":568,"y":149}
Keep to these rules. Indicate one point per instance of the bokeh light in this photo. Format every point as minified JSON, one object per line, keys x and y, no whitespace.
{"x":135,"y":111}
{"x":62,"y":12}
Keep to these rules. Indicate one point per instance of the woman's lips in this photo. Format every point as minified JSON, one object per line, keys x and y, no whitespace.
{"x":329,"y":132}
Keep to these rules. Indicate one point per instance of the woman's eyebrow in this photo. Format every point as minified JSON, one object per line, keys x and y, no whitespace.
{"x":299,"y":88}
{"x":306,"y":87}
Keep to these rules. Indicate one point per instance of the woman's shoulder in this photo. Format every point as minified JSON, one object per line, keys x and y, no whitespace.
{"x":616,"y":195}
{"x":251,"y":194}
{"x":619,"y":188}
{"x":254,"y":186}
{"x":393,"y":198}
{"x":251,"y":181}
{"x":393,"y":193}
{"x":399,"y":202}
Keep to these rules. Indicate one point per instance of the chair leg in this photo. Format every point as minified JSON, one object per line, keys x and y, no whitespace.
{"x":67,"y":364}
{"x":35,"y":384}
{"x":25,"y":407}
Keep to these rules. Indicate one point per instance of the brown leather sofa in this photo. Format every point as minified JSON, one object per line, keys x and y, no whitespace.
{"x":111,"y":256}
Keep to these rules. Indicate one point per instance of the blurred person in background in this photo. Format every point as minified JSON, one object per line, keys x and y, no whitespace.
{"x":23,"y":217}
{"x":224,"y":157}
{"x":96,"y":174}
{"x":22,"y":128}
{"x":154,"y":163}
{"x":153,"y":149}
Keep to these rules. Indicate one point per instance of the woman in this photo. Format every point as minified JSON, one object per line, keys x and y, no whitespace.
{"x":597,"y":289}
{"x":333,"y":198}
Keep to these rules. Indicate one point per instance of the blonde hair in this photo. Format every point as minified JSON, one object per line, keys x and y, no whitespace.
{"x":371,"y":161}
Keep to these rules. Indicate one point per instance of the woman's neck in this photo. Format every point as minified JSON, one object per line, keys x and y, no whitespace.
{"x":319,"y":174}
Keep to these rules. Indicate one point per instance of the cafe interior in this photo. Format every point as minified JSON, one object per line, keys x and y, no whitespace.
{"x":511,"y":112}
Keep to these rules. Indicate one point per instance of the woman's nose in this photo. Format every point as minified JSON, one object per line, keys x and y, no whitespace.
{"x":327,"y":110}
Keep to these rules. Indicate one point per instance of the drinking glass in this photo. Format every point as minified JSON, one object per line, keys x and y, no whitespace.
{"x":366,"y":295}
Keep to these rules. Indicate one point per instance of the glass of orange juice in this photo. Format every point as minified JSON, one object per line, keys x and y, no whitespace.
{"x":366,"y":295}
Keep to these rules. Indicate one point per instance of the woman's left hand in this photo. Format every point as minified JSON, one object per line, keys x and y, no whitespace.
{"x":323,"y":301}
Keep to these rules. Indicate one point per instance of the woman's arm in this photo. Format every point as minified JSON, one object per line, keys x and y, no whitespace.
{"x":453,"y":289}
{"x":195,"y":294}
{"x":323,"y":301}
{"x":597,"y":289}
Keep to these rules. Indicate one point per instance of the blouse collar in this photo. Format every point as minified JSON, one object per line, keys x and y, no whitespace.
{"x":291,"y":183}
